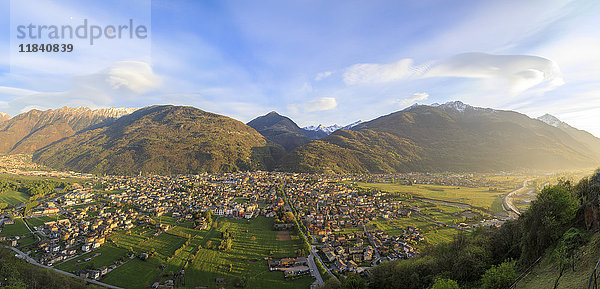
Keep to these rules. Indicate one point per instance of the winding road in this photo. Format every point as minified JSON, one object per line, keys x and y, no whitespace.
{"x":508,"y":200}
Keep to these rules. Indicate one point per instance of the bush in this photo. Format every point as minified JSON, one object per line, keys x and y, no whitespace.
{"x":548,"y":217}
{"x":500,"y":276}
{"x":442,"y":283}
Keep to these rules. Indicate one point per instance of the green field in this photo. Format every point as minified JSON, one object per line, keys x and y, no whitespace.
{"x":476,"y":197}
{"x":13,"y":198}
{"x":11,"y":177}
{"x":38,"y":221}
{"x":16,"y":229}
{"x":132,"y":239}
{"x":108,"y":255}
{"x":134,"y":274}
{"x":434,"y":234}
{"x":253,"y":241}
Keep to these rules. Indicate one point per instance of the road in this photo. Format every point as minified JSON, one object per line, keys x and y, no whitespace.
{"x":32,"y":232}
{"x":508,"y":200}
{"x":377,"y":255}
{"x":313,"y":268}
{"x":34,"y":262}
{"x":313,"y":252}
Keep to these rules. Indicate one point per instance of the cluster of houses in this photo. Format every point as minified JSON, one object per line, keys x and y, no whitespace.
{"x":335,"y":215}
{"x":83,"y":230}
{"x":333,"y":212}
{"x":243,"y":195}
{"x":77,"y":197}
{"x":290,"y":266}
{"x":47,"y":208}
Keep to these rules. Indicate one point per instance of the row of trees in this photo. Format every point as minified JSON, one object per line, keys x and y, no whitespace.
{"x":226,"y":241}
{"x":493,"y":257}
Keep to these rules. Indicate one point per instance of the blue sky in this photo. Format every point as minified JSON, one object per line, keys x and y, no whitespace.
{"x":314,"y":61}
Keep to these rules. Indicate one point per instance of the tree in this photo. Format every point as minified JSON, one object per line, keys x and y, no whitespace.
{"x":354,"y":281}
{"x":331,"y":283}
{"x":547,"y":219}
{"x":288,"y":217}
{"x":442,"y":283}
{"x":500,"y":276}
{"x":566,"y":252}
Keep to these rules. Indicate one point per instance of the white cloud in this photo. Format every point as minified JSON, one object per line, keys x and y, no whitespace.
{"x":13,"y":91}
{"x":322,"y":75}
{"x":125,"y":76}
{"x":512,"y":74}
{"x":364,"y":73}
{"x":414,"y":98}
{"x":320,"y":104}
{"x":518,"y":73}
{"x":122,"y":80}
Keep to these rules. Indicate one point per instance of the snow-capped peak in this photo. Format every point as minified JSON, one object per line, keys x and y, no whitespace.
{"x":330,"y":129}
{"x":455,"y":105}
{"x":353,"y":124}
{"x":4,"y":116}
{"x":550,"y":120}
{"x":326,"y":129}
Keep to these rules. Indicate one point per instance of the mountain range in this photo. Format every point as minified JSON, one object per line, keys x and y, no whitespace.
{"x":448,"y":137}
{"x":162,"y":140}
{"x":327,"y":130}
{"x":30,"y":131}
{"x":176,"y":139}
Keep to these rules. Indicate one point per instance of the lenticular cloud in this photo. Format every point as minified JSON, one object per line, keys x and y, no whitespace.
{"x":521,"y":72}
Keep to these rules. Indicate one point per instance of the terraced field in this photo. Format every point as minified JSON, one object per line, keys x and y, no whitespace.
{"x":253,"y":241}
{"x":196,"y":251}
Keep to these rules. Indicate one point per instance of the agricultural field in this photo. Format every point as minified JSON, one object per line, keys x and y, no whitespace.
{"x":13,"y":198}
{"x":182,"y":247}
{"x":12,"y":177}
{"x":253,"y":241}
{"x":38,"y":221}
{"x":449,"y":214}
{"x":483,"y":197}
{"x":434,"y":234}
{"x":16,"y":229}
{"x":135,"y":273}
{"x":106,"y":255}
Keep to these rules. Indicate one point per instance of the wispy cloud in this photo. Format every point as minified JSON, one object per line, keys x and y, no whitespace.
{"x":322,"y":75}
{"x":517,"y":72}
{"x":125,"y":79}
{"x":365,"y":73}
{"x":419,"y":96}
{"x":313,"y":105}
{"x":321,"y":104}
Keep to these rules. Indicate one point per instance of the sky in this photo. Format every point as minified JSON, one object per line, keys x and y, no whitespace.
{"x":317,"y":62}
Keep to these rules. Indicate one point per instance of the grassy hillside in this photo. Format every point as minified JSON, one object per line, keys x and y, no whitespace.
{"x":450,"y":137}
{"x":163,"y":140}
{"x":17,"y":273}
{"x":544,"y":275}
{"x":355,"y":152}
